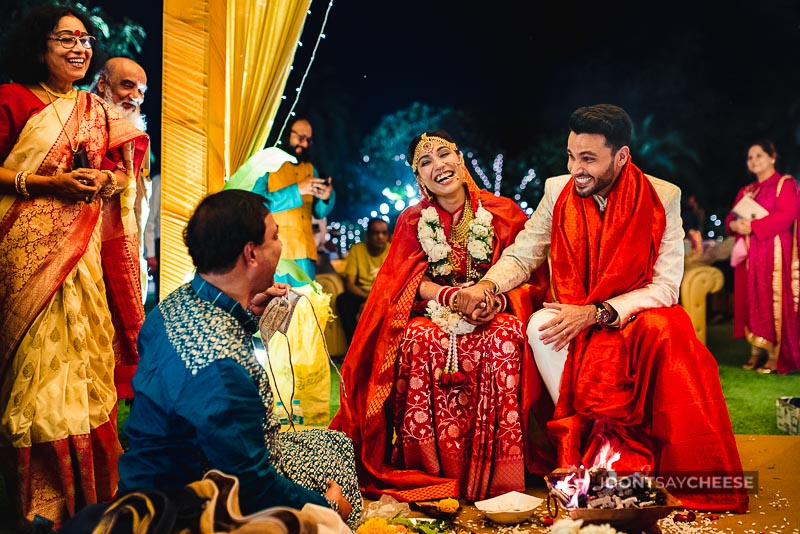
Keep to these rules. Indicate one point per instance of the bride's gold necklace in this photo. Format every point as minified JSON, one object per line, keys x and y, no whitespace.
{"x":72,"y":93}
{"x":459,"y":233}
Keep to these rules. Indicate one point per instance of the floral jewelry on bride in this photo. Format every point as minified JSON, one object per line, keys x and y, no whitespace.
{"x":431,"y":236}
{"x":479,"y":248}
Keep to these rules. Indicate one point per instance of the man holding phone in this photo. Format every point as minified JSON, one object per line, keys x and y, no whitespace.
{"x":294,"y":194}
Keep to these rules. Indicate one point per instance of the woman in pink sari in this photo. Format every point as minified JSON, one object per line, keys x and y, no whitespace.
{"x":70,"y":305}
{"x":766,"y":293}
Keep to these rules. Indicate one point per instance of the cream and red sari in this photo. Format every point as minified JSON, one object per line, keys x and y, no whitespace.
{"x":70,"y":307}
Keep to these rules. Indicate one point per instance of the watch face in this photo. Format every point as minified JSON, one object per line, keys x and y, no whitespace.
{"x":603,"y":316}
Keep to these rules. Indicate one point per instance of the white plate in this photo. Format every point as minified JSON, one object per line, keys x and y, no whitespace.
{"x":512,"y":501}
{"x":509,"y":508}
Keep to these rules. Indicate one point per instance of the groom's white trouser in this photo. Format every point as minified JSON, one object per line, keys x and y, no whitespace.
{"x":550,"y":362}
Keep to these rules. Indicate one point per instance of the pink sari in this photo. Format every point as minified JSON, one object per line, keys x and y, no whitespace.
{"x":767,"y":282}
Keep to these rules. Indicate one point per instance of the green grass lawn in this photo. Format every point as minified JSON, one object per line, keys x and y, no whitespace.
{"x":750,"y":396}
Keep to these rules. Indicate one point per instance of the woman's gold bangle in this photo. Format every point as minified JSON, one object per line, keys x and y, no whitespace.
{"x":111,"y":187}
{"x":20,"y":183}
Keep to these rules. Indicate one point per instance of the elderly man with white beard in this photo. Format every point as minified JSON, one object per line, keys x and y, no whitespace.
{"x":122,"y":82}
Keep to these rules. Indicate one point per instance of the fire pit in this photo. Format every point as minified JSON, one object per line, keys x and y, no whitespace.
{"x":632,"y":503}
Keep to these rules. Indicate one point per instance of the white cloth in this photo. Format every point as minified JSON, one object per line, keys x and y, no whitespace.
{"x":328,"y":521}
{"x":152,"y":229}
{"x":549,"y":361}
{"x":532,"y":247}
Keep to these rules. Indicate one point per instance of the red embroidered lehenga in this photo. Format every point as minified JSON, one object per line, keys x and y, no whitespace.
{"x":415,"y":437}
{"x":70,"y":307}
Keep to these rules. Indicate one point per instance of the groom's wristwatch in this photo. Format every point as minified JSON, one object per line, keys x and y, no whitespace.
{"x":602,"y":315}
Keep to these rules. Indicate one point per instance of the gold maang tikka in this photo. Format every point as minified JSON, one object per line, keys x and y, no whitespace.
{"x":425,"y":146}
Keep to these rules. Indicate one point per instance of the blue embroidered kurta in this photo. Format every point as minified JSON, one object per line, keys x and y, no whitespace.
{"x":203,"y":401}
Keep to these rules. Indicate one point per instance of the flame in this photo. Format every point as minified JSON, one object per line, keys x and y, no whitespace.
{"x":606,"y":457}
{"x":581,"y":488}
{"x":565,"y":485}
{"x":573,"y":485}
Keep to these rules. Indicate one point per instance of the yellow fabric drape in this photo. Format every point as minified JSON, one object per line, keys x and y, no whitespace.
{"x":222,"y":85}
{"x":261,"y":44}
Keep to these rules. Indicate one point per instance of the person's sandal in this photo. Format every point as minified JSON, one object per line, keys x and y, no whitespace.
{"x":756,"y":361}
{"x":770,"y":367}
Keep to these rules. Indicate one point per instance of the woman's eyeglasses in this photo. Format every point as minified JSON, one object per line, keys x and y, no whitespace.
{"x":69,"y":41}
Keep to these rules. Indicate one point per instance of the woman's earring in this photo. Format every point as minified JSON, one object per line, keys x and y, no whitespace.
{"x":424,"y":190}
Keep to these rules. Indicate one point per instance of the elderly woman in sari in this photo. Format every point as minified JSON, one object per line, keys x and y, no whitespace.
{"x":459,"y":394}
{"x":69,"y":284}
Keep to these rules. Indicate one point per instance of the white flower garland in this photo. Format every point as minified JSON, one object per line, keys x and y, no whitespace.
{"x":431,"y":236}
{"x":433,"y":241}
{"x":451,"y":323}
{"x":448,"y":320}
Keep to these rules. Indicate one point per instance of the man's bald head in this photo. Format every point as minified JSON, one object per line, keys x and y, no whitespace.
{"x":122,"y":82}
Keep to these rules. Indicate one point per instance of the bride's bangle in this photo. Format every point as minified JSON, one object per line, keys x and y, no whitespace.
{"x":446,"y":295}
{"x":111,"y":186}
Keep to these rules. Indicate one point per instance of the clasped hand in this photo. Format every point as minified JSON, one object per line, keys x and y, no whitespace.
{"x":477,"y":303}
{"x":80,"y":184}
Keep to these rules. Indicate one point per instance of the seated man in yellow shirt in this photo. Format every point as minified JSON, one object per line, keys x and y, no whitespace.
{"x":363,"y":262}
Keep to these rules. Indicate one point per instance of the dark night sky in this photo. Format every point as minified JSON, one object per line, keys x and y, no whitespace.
{"x":684,"y":61}
{"x":716,"y":72}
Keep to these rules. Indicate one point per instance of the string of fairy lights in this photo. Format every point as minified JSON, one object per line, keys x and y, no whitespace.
{"x":299,"y":88}
{"x":344,"y":234}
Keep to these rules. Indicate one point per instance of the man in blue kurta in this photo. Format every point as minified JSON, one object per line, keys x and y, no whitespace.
{"x":295,"y":193}
{"x":203,"y":400}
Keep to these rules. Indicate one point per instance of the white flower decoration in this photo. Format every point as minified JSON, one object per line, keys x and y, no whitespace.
{"x":433,"y":241}
{"x":448,"y":320}
{"x":439,"y":251}
{"x":425,"y":232}
{"x":429,"y":215}
{"x":569,"y":526}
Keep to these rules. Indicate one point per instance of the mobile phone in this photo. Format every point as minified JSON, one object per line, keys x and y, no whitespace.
{"x":80,"y":159}
{"x":328,"y":180}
